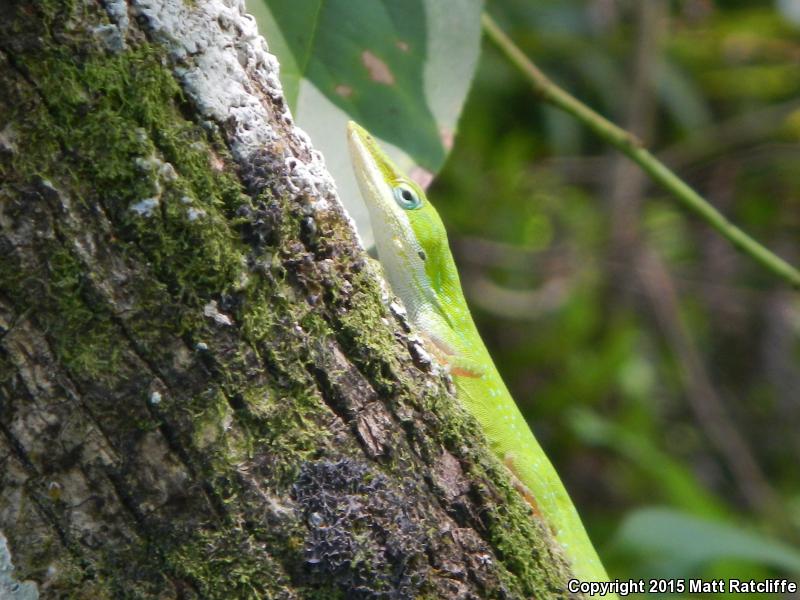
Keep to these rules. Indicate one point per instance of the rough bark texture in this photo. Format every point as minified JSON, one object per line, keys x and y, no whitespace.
{"x":203,"y":392}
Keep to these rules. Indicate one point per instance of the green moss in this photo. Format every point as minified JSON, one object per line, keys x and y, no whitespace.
{"x":111,"y":131}
{"x":222,"y":569}
{"x":115,"y":127}
{"x":117,"y":114}
{"x":84,"y":336}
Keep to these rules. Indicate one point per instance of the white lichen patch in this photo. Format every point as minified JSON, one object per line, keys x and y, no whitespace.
{"x":210,"y":310}
{"x":148,"y":163}
{"x":304,"y":182}
{"x":167,"y":172}
{"x":117,"y":11}
{"x":199,"y":39}
{"x":225,"y":69}
{"x":158,"y":170}
{"x":10,"y":588}
{"x":111,"y":37}
{"x":8,"y":139}
{"x":144,"y":208}
{"x":195,"y":213}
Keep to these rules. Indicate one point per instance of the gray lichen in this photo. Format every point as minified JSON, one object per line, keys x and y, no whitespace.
{"x":10,"y":588}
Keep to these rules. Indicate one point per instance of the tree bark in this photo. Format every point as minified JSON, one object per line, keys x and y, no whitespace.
{"x":204,"y":391}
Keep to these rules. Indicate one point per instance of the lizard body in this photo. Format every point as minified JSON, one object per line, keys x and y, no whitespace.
{"x":414,"y":252}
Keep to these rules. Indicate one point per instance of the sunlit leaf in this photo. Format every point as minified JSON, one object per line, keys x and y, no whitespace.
{"x":401,"y":69}
{"x":681,"y":544}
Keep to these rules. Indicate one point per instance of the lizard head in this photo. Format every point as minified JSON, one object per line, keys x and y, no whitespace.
{"x":409,"y":234}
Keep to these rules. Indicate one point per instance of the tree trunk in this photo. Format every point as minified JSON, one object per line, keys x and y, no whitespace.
{"x":203,"y":393}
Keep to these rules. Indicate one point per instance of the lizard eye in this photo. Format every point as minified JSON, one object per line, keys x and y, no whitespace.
{"x":406,"y":197}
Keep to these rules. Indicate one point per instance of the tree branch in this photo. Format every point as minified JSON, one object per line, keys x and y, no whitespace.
{"x":629,"y":145}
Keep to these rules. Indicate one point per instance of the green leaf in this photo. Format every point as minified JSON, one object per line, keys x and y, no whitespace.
{"x":681,"y":544}
{"x":401,"y":69}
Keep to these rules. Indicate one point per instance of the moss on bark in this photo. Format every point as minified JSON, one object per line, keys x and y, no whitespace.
{"x":202,"y":393}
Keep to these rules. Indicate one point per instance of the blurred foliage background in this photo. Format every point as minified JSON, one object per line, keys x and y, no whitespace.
{"x":656,"y":365}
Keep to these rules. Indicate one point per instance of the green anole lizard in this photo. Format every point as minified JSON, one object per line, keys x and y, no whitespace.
{"x":414,"y":252}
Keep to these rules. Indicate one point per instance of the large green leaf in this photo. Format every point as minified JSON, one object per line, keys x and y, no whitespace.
{"x":678,"y":544}
{"x":401,"y":69}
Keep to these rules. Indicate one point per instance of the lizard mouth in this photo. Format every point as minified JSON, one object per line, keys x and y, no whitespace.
{"x":373,"y":172}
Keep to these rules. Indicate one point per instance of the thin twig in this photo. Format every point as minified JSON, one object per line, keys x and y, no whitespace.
{"x":629,"y":145}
